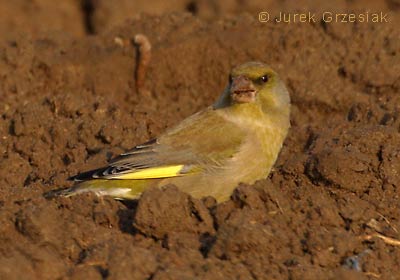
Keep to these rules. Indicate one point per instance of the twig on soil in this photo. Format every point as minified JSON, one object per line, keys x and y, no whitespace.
{"x":388,"y":222}
{"x":387,"y":240}
{"x":372,"y":274}
{"x":144,"y":56}
{"x":93,"y":263}
{"x":279,"y":206}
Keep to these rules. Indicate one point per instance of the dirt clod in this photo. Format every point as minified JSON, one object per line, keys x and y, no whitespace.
{"x":69,"y":102}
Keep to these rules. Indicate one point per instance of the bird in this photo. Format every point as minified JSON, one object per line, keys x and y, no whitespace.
{"x":235,"y":140}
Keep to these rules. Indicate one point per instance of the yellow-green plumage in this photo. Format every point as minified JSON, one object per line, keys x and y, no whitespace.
{"x":208,"y":154}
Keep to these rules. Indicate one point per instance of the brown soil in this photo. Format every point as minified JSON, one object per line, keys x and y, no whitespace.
{"x":68,"y":103}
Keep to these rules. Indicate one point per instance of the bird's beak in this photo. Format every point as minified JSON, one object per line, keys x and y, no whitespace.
{"x":242,"y":90}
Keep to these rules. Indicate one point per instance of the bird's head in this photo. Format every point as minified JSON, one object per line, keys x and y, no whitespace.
{"x":255,"y":82}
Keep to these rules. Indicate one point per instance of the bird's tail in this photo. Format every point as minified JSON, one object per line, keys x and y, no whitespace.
{"x":119,"y":189}
{"x":66,"y":192}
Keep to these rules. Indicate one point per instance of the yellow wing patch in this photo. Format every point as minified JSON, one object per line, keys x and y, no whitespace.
{"x":152,"y":173}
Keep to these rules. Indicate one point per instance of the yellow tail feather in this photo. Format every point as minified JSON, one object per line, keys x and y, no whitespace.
{"x":152,"y":173}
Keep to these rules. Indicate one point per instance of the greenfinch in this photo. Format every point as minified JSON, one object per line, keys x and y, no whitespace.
{"x":236,"y":140}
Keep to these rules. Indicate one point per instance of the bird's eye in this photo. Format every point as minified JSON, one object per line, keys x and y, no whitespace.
{"x":264,"y":78}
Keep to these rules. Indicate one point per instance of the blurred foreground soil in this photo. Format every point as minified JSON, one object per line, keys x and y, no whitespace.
{"x":68,"y":103}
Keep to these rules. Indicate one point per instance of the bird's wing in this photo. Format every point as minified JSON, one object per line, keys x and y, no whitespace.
{"x":203,"y":141}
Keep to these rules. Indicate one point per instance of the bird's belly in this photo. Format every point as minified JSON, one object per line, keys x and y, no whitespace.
{"x":252,"y":163}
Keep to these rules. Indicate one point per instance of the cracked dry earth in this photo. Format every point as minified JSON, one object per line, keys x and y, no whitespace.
{"x":329,"y":210}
